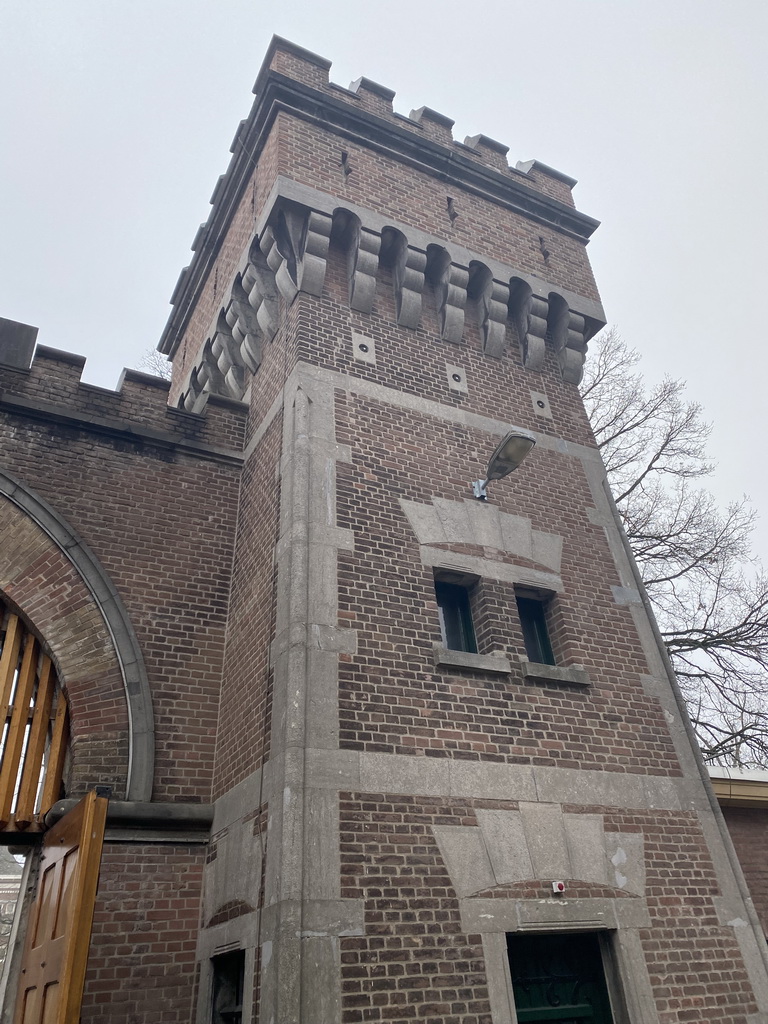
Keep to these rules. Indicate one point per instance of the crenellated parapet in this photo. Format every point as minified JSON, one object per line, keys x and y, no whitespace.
{"x":44,"y":384}
{"x":352,"y":142}
{"x":288,"y":255}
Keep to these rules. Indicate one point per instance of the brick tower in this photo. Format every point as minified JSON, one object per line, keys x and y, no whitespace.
{"x":440,"y":706}
{"x":446,"y":767}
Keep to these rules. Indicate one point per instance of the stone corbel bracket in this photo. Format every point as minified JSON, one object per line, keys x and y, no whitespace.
{"x":296,"y":248}
{"x":500,"y":290}
{"x":449,"y":281}
{"x":205,"y":379}
{"x":529,"y":313}
{"x":408,"y":272}
{"x":229,"y":361}
{"x":568,"y":331}
{"x":236,"y":340}
{"x":362,"y":247}
{"x":258,"y":286}
{"x":289,"y":255}
{"x":492,"y":307}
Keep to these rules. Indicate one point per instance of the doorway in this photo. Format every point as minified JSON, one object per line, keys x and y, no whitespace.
{"x":559,"y":978}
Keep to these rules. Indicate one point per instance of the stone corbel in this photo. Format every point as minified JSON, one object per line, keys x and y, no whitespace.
{"x":450,"y":284}
{"x":530,"y":313}
{"x":229,"y":361}
{"x":195,"y":396}
{"x":363,"y":262}
{"x":250,"y":329}
{"x":409,"y":284}
{"x":296,"y":249}
{"x":569,"y":337}
{"x":258,"y":284}
{"x":311,"y":271}
{"x":246,"y":334}
{"x":492,"y":299}
{"x":205,"y":379}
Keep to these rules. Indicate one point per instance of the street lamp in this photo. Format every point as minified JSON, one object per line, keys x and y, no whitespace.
{"x":508,"y":455}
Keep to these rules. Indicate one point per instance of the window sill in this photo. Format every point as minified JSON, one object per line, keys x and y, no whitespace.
{"x":572,"y":675}
{"x":479,"y":662}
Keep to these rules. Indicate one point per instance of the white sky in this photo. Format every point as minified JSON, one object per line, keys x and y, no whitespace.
{"x":116,"y":120}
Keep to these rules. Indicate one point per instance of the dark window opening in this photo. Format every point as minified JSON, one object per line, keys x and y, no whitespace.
{"x":559,"y":978}
{"x":455,"y":613}
{"x":533,"y":619}
{"x":228,"y":974}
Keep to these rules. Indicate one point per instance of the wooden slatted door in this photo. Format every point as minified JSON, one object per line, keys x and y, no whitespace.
{"x":59,"y":930}
{"x":36,"y":728}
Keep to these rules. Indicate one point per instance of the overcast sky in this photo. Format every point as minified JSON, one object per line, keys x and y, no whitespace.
{"x":116,"y":120}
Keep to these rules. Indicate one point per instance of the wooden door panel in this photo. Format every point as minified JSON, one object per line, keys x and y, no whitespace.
{"x":58,"y":936}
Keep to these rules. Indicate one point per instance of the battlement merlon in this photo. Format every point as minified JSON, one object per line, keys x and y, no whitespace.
{"x":45,"y":384}
{"x":297,"y":80}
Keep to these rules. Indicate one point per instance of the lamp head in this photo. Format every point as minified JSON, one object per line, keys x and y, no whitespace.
{"x":508,"y":455}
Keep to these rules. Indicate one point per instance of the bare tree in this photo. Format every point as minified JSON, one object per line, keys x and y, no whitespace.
{"x":709,"y":591}
{"x":155,"y":363}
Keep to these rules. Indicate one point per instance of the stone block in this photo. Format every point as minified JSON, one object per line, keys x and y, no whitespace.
{"x":17,"y":343}
{"x":466,"y":858}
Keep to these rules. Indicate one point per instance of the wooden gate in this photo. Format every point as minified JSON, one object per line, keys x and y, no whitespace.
{"x":59,"y":931}
{"x":35,"y":733}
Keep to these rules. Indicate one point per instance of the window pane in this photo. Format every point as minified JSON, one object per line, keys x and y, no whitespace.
{"x":455,"y":617}
{"x":535,"y":633}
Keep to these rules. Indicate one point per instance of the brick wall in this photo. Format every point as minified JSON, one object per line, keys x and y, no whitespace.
{"x":412,"y":438}
{"x":161,"y":522}
{"x":748,"y":827}
{"x":414,"y":962}
{"x":141,"y":967}
{"x":244,"y":722}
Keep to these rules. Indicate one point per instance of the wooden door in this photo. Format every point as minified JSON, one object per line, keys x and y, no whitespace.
{"x":59,"y":930}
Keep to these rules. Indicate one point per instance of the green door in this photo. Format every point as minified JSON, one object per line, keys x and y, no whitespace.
{"x":559,"y":979}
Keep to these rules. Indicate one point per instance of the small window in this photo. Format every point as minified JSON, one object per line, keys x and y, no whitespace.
{"x":533,"y":619}
{"x":228,"y":974}
{"x":455,"y":617}
{"x":559,"y":978}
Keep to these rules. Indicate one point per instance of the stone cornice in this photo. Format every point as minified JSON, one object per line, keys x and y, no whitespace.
{"x":344,"y":116}
{"x":287,"y":254}
{"x":287,"y":189}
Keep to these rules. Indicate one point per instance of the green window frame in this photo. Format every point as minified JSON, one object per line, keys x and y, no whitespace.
{"x":455,"y":611}
{"x":533,"y":619}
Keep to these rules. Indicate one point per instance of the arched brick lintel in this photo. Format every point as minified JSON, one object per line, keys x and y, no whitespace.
{"x":93,"y":607}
